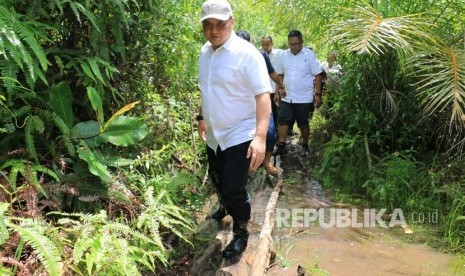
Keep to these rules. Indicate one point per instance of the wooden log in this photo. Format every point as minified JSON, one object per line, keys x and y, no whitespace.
{"x":262,"y":256}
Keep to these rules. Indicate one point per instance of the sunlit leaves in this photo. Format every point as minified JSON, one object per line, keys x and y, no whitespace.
{"x":366,"y":31}
{"x":125,"y":131}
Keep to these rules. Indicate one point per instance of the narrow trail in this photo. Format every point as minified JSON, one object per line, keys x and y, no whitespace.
{"x":313,"y":249}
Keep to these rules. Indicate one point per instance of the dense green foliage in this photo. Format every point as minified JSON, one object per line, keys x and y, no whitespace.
{"x":91,"y":186}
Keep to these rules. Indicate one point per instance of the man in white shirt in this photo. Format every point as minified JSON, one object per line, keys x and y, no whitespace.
{"x":332,"y":71}
{"x":300,"y":69}
{"x":234,"y":116}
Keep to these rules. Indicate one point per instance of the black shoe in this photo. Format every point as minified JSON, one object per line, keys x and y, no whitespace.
{"x":305,"y":150}
{"x":280,"y":149}
{"x":239,"y":243}
{"x":235,"y":247}
{"x":219,"y":214}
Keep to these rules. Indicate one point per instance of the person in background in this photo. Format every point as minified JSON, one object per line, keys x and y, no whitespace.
{"x":332,"y":70}
{"x":234,"y":115}
{"x":299,"y":69}
{"x":273,"y":53}
{"x":271,"y":134}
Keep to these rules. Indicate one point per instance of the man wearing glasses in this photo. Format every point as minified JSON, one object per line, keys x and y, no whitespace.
{"x":299,"y":69}
{"x":234,"y":116}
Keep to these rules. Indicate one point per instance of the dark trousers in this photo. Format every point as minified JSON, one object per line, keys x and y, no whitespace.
{"x":229,"y":171}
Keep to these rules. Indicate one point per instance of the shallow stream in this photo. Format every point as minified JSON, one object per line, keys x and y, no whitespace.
{"x":347,"y":248}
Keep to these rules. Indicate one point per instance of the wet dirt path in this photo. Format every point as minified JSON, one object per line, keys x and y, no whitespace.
{"x":362,"y":250}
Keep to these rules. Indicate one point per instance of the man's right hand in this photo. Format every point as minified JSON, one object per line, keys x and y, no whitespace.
{"x":276,"y":98}
{"x":203,"y":130}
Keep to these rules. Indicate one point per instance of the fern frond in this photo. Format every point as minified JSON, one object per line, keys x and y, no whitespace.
{"x":20,"y":43}
{"x":38,"y":73}
{"x":22,"y":111}
{"x":77,"y":8}
{"x":9,"y":41}
{"x":8,"y":71}
{"x":95,"y":69}
{"x":61,"y":125}
{"x":126,"y":230}
{"x":33,"y":124}
{"x":17,"y":166}
{"x":117,"y":161}
{"x":38,"y":124}
{"x":11,"y":163}
{"x":32,"y":179}
{"x":126,"y":263}
{"x":148,"y":258}
{"x":69,"y":146}
{"x":32,"y":232}
{"x":4,"y":234}
{"x":80,"y":247}
{"x":28,"y":34}
{"x":58,"y":4}
{"x":109,"y":69}
{"x":85,"y":67}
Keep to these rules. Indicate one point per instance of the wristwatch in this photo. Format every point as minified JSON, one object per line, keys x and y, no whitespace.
{"x":199,"y":117}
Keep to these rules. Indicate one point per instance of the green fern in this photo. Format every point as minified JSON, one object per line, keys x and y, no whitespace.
{"x":20,"y":43}
{"x":28,"y":171}
{"x":3,"y":220}
{"x":17,"y":166}
{"x":33,"y":124}
{"x":162,"y":211}
{"x":106,"y":247}
{"x":33,"y":233}
{"x":127,"y":265}
{"x":8,"y":71}
{"x":21,"y":111}
{"x":61,"y":125}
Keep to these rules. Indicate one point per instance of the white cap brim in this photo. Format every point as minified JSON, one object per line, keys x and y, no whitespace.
{"x":222,"y":17}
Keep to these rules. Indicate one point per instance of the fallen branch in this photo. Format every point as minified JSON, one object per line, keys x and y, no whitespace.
{"x":262,"y":257}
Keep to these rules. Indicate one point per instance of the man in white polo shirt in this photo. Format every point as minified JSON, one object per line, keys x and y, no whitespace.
{"x":234,"y":116}
{"x":300,"y":69}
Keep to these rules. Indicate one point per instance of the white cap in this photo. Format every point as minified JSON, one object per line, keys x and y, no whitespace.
{"x":218,"y":9}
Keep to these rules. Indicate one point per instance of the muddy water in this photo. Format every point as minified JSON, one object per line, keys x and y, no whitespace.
{"x":348,"y":250}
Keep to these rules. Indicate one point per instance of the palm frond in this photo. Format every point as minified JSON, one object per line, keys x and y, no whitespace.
{"x":441,"y":84}
{"x":366,"y":31}
{"x":388,"y":106}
